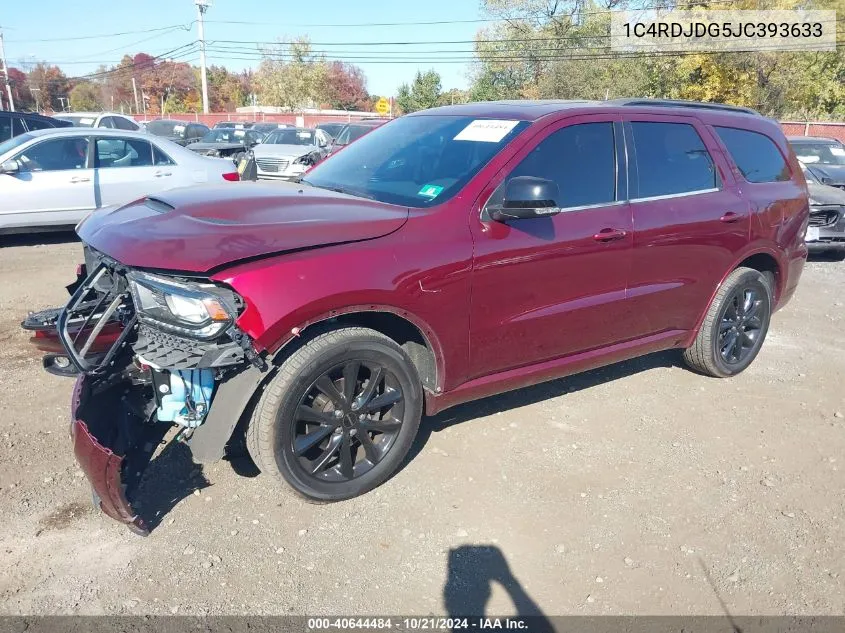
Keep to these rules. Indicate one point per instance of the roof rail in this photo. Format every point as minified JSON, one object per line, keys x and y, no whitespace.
{"x":677,"y":103}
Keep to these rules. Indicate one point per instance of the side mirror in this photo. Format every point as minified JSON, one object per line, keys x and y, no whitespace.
{"x":527,"y":197}
{"x":11,"y":166}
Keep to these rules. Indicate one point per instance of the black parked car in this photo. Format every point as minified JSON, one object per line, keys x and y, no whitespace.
{"x":227,"y":143}
{"x":824,"y":157}
{"x":180,"y":132}
{"x":16,"y":123}
{"x":266,"y":128}
{"x":826,"y":231}
{"x":234,"y":125}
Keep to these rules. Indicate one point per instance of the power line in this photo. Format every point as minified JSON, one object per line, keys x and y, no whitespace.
{"x":185,"y":27}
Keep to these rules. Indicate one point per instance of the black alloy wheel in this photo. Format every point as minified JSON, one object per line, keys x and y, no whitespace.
{"x":339,"y":416}
{"x":741,"y":324}
{"x":347,"y":421}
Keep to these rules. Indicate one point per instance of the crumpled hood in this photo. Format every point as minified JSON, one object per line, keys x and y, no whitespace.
{"x":199,"y":229}
{"x":836,"y":173}
{"x":825,"y":194}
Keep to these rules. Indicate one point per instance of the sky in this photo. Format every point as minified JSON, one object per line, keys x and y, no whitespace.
{"x":103,"y":32}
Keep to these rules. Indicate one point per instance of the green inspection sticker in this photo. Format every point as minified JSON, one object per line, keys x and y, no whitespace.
{"x":430,"y":191}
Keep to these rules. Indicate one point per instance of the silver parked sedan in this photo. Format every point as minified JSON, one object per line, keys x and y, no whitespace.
{"x":287,"y":153}
{"x":52,"y":178}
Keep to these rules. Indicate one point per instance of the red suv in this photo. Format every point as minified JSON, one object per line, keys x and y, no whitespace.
{"x":449,"y":255}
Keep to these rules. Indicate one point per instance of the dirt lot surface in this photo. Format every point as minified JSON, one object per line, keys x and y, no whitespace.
{"x":638,"y":489}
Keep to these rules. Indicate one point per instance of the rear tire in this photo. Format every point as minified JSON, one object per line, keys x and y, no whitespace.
{"x":735,"y":325}
{"x":340,"y":415}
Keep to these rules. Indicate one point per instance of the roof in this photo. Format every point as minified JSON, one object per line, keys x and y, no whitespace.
{"x":811,"y":139}
{"x":88,"y":131}
{"x":533,"y":110}
{"x":94,"y":114}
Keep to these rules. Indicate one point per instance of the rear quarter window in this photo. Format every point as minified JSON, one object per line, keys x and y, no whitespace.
{"x":755,"y":154}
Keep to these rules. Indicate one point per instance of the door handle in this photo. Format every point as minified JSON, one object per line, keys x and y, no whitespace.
{"x":159,"y":174}
{"x":610,"y":235}
{"x":729,"y":217}
{"x":77,"y":179}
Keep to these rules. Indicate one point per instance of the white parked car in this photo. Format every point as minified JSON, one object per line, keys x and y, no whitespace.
{"x":55,"y":177}
{"x":111,"y":120}
{"x":287,"y":153}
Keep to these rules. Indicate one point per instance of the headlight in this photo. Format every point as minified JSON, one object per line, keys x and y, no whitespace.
{"x":303,"y":160}
{"x":213,"y":152}
{"x":195,"y":310}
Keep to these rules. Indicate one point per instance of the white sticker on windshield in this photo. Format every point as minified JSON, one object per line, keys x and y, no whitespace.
{"x":304,"y":134}
{"x":837,"y":151}
{"x":240,"y":133}
{"x":178,"y":128}
{"x":486,"y":130}
{"x":86,"y":121}
{"x":808,"y":159}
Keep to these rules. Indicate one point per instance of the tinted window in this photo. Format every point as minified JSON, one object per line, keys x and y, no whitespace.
{"x":55,"y":155}
{"x":671,"y":159}
{"x":122,"y":123}
{"x":581,"y":159}
{"x":123,"y":152}
{"x":160,"y":158}
{"x":415,"y":161}
{"x":37,"y":124}
{"x":5,"y":127}
{"x":756,"y":155}
{"x":17,"y":126}
{"x":107,"y":122}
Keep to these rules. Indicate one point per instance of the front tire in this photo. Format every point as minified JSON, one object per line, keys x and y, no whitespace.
{"x":735,"y":325}
{"x":340,"y":415}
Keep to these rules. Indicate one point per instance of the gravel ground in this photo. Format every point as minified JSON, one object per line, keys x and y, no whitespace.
{"x":641,"y":488}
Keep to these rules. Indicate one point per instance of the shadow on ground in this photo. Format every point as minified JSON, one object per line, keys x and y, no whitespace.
{"x":170,"y":477}
{"x":537,"y":393}
{"x":40,"y":238}
{"x":471,"y":572}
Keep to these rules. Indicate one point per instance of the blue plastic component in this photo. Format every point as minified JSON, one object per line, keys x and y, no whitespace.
{"x":189,"y":398}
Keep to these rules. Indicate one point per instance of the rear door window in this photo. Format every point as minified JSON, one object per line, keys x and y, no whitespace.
{"x":756,"y":155}
{"x":160,"y":158}
{"x":122,"y":123}
{"x":123,"y":152}
{"x":18,"y":127}
{"x":671,"y":159}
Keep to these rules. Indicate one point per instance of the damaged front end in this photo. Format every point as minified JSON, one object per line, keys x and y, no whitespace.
{"x":148,"y":352}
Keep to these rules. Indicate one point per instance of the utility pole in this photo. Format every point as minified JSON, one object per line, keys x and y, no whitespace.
{"x":202,"y":7}
{"x":135,"y":92}
{"x":6,"y":74}
{"x":35,"y":92}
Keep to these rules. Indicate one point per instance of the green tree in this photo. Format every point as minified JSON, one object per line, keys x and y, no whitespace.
{"x":424,"y":92}
{"x":85,"y":96}
{"x":292,"y":76}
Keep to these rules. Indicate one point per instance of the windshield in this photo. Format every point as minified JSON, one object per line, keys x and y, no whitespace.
{"x":78,"y":120}
{"x":415,"y":161}
{"x":225,"y":135}
{"x":820,"y":153}
{"x":352,"y":133}
{"x":332,"y":129}
{"x":166,"y":128}
{"x":290,"y":136}
{"x":14,"y":142}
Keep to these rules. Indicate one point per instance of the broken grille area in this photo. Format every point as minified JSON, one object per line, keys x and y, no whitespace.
{"x":97,"y":320}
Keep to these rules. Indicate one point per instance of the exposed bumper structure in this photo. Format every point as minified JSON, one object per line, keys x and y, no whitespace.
{"x":113,"y":455}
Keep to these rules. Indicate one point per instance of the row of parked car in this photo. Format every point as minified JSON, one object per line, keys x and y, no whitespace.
{"x":54,"y":179}
{"x":55,"y":170}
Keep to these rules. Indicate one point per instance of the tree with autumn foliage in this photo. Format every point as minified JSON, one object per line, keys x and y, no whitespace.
{"x":346,"y":87}
{"x":20,"y":91}
{"x":50,"y":84}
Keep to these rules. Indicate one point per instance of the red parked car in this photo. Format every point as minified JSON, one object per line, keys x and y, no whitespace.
{"x":448,"y":255}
